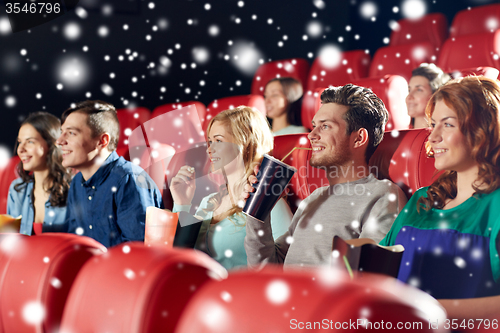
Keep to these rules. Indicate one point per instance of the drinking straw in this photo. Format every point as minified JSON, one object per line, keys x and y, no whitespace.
{"x":346,"y":262}
{"x":291,"y":151}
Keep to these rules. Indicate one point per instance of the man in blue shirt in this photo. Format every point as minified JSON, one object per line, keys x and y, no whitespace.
{"x":108,"y":198}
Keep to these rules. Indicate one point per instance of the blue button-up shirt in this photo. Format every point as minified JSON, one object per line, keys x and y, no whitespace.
{"x":21,"y":203}
{"x":110,"y":207}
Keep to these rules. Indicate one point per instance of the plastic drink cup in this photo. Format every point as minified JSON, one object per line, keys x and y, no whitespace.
{"x":161,"y":226}
{"x":273,"y":177}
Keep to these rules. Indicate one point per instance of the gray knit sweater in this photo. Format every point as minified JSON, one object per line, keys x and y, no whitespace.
{"x":365,"y":208}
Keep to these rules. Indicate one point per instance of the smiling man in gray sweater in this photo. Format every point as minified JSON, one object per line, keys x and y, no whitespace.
{"x":346,"y":131}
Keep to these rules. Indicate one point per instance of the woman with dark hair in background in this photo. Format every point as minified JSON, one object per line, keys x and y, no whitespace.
{"x":425,"y":80}
{"x":39,"y":195}
{"x":283,"y":98}
{"x":451,"y":229}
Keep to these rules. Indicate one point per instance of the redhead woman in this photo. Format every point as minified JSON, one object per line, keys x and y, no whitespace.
{"x":450,"y":230}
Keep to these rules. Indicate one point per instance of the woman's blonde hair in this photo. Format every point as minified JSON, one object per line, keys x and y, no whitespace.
{"x":252,"y":134}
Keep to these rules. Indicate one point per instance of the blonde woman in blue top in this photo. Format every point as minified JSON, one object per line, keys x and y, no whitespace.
{"x":237,"y":139}
{"x":451,"y":229}
{"x":40,"y":194}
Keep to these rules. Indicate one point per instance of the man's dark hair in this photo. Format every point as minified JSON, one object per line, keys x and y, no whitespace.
{"x":101,"y":119}
{"x":366,"y":111}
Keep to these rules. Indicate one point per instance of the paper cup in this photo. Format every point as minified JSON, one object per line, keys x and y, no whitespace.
{"x":161,"y":226}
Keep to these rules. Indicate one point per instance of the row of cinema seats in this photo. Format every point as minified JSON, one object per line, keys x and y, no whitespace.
{"x":72,"y":284}
{"x":68,"y":283}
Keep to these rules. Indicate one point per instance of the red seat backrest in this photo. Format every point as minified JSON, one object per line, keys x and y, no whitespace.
{"x":401,"y":157}
{"x":200,"y":108}
{"x":274,"y":300}
{"x":475,"y":20}
{"x":401,"y":59}
{"x":296,"y":68}
{"x":135,"y":288}
{"x":353,"y":65}
{"x":391,"y":89}
{"x":36,"y":275}
{"x":299,"y":159}
{"x":8,"y":175}
{"x":153,"y":145}
{"x":155,"y":161}
{"x":129,"y":120}
{"x":486,"y":71}
{"x":474,"y":50}
{"x":219,"y":105}
{"x":432,"y":28}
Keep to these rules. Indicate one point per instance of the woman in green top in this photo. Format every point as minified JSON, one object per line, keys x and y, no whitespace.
{"x":450,"y":230}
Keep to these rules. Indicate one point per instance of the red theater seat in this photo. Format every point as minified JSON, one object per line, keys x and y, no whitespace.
{"x":134,"y":288}
{"x":401,"y":59}
{"x":9,"y":173}
{"x":296,"y":68}
{"x":353,"y":65}
{"x":123,"y":152}
{"x":219,"y":105}
{"x":488,"y":72}
{"x":155,"y":161}
{"x":307,"y":178}
{"x":391,"y":89}
{"x":178,"y":131}
{"x":129,"y":120}
{"x":401,"y":157}
{"x":200,"y":108}
{"x":36,"y":275}
{"x":432,"y":28}
{"x":317,"y":300}
{"x":468,"y":51}
{"x":475,"y":20}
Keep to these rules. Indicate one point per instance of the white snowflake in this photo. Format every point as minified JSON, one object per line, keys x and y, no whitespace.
{"x":226,"y":297}
{"x":413,"y":9}
{"x":33,"y":313}
{"x":278,"y":292}
{"x":460,"y":262}
{"x":368,"y":9}
{"x":129,"y":274}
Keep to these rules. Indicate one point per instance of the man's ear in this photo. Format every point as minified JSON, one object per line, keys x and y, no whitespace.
{"x":104,"y":140}
{"x":360,"y":138}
